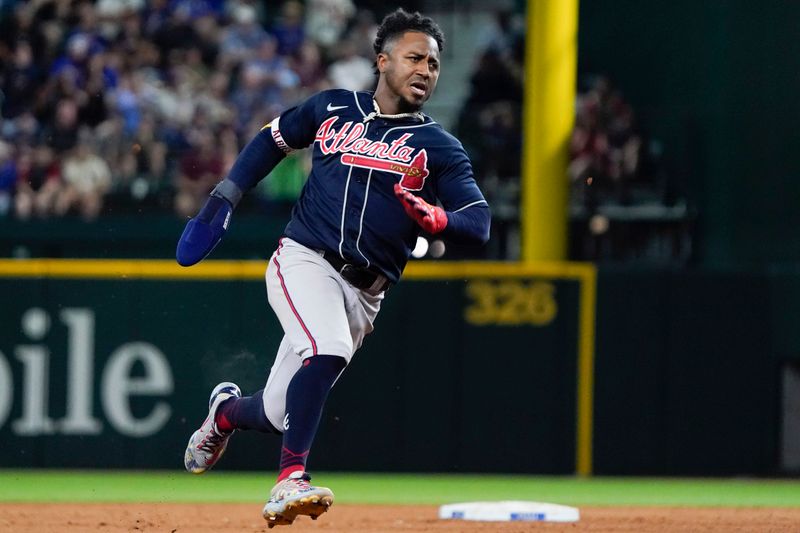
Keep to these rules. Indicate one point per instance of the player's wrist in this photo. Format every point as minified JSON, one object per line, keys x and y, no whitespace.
{"x":440,"y":220}
{"x":229,"y":191}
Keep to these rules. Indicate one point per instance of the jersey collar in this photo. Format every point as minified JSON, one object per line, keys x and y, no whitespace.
{"x":418,"y":115}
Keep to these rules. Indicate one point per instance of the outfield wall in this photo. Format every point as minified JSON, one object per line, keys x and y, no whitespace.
{"x":111,"y":372}
{"x":689,"y":365}
{"x":475,"y":372}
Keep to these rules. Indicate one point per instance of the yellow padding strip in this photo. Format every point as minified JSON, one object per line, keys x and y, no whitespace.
{"x":168,"y":269}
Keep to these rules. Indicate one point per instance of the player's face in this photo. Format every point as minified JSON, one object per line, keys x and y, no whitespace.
{"x":410,"y":69}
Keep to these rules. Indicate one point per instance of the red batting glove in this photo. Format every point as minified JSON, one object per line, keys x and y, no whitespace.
{"x":433,"y":219}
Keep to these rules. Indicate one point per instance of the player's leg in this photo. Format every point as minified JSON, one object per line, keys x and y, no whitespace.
{"x":310,"y":305}
{"x":329,"y":315}
{"x":265,"y":410}
{"x":287,"y":362}
{"x":306,"y":393}
{"x":346,"y":311}
{"x":245,"y":413}
{"x":306,"y":296}
{"x":305,"y":397}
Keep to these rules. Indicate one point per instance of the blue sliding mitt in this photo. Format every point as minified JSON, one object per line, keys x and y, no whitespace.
{"x":203,"y":232}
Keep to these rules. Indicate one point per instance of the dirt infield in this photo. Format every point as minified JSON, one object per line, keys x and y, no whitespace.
{"x":221,"y":518}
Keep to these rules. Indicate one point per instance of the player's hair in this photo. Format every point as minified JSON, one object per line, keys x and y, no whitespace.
{"x":398,"y":22}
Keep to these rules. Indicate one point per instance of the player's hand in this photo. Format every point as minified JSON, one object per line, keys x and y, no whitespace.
{"x":203,"y":232}
{"x":432,"y":218}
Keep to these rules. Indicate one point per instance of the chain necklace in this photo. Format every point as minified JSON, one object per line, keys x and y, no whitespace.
{"x":377,"y":114}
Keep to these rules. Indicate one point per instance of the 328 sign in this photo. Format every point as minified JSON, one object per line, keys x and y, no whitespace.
{"x":510,"y":302}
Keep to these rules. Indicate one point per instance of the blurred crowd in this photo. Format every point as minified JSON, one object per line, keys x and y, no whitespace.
{"x":132,"y":103}
{"x":607,"y":152}
{"x":490,"y":125}
{"x":624,"y":206}
{"x":125,"y":105}
{"x":612,"y":163}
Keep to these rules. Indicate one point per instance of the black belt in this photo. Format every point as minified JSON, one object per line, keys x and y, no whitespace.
{"x":358,"y":277}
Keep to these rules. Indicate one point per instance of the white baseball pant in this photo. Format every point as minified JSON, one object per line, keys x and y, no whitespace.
{"x":320,"y":312}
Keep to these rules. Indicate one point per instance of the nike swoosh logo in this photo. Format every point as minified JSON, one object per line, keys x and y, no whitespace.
{"x":335,"y":107}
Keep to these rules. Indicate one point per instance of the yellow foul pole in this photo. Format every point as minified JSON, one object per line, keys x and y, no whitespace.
{"x":551,"y":57}
{"x":550,"y":65}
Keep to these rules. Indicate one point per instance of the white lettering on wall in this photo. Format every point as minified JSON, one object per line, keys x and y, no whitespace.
{"x":35,"y":388}
{"x":119,"y":386}
{"x":80,"y":373}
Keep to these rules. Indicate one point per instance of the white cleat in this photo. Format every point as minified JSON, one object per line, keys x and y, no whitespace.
{"x":295,"y":496}
{"x":208,"y":443}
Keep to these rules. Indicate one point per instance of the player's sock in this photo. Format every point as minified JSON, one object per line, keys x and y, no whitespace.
{"x":305,"y":397}
{"x":244,"y":413}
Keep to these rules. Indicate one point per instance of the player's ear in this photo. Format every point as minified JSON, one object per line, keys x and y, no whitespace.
{"x":381,"y":60}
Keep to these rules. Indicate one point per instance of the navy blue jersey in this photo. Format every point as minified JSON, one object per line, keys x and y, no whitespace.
{"x":348,"y":204}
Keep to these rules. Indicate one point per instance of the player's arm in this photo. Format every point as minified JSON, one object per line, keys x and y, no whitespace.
{"x":256,"y":160}
{"x":465,"y":217}
{"x":205,"y":231}
{"x":466,"y":225}
{"x":469,"y":224}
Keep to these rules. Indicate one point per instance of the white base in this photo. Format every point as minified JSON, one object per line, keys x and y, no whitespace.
{"x":509,"y":511}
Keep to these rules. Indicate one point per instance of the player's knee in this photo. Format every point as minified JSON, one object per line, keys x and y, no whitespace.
{"x":335,"y":363}
{"x":341,"y":347}
{"x":275,"y":406}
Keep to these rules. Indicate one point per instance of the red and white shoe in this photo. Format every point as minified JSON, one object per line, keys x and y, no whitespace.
{"x":208,"y":443}
{"x":295,"y":496}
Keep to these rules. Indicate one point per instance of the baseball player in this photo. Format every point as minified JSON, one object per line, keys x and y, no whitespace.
{"x":382,"y":172}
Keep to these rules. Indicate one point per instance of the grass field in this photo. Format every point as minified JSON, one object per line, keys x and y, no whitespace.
{"x":220,"y":486}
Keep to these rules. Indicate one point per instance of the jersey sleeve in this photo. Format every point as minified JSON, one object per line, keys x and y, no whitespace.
{"x":455,"y":186}
{"x":468,"y":214}
{"x":296,"y":127}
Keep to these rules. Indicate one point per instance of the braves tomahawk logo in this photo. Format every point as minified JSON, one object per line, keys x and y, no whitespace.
{"x":358,"y":151}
